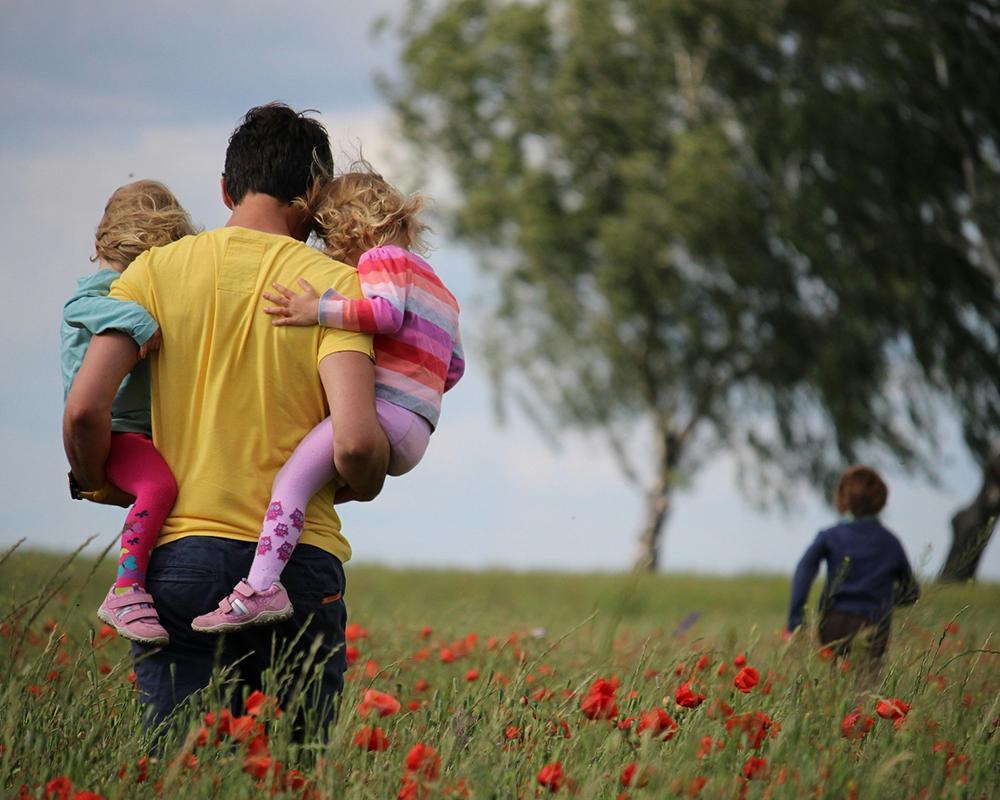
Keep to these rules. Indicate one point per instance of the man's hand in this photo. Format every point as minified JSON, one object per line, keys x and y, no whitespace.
{"x":293,"y":309}
{"x":108,"y":495}
{"x":151,"y":345}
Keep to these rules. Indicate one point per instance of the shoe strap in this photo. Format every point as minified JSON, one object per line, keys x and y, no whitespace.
{"x":138,"y":614}
{"x":129,"y":599}
{"x":244,"y":589}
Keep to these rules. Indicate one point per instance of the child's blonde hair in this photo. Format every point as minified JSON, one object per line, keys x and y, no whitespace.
{"x":359,"y":210}
{"x":139,"y":216}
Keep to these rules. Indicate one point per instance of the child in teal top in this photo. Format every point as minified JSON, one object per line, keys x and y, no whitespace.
{"x":138,"y":216}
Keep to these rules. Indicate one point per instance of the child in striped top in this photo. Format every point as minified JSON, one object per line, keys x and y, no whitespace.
{"x":364,"y":221}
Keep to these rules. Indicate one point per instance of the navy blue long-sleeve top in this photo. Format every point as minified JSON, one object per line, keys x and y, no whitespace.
{"x":867,"y":572}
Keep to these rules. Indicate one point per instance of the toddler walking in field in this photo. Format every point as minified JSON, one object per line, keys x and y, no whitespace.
{"x":867,"y":572}
{"x":367,"y":223}
{"x":138,"y":216}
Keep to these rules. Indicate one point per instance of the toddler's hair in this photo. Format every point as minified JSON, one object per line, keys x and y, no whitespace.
{"x":860,"y":492}
{"x":139,"y":216}
{"x":359,"y":210}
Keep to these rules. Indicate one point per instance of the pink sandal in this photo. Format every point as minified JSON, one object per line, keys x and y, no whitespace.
{"x":133,"y":615}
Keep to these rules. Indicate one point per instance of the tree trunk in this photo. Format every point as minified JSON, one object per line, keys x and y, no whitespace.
{"x":972,"y":526}
{"x":658,"y":504}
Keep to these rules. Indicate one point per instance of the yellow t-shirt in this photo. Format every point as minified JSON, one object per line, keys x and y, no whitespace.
{"x":232,"y":395}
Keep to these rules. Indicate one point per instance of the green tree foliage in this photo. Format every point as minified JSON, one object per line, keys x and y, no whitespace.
{"x":767,"y":226}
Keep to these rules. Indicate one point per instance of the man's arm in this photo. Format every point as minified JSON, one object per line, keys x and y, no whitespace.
{"x":361,"y":451}
{"x":87,"y":418}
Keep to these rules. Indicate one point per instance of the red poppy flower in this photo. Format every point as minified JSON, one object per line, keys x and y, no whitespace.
{"x":384,"y":704}
{"x":371,"y":739}
{"x":892,"y":708}
{"x":258,"y":702}
{"x":656,"y":722}
{"x":259,"y":763}
{"x":600,"y":700}
{"x":633,"y":776}
{"x":755,"y":768}
{"x":707,"y":743}
{"x":426,"y":631}
{"x":551,"y":776}
{"x":856,"y":725}
{"x":424,"y":760}
{"x":412,"y":789}
{"x":244,"y":728}
{"x":472,"y":674}
{"x":353,"y":632}
{"x":740,"y":660}
{"x":58,"y":788}
{"x":352,"y":654}
{"x":755,"y":726}
{"x":719,"y":708}
{"x":746,"y":679}
{"x":703,"y":662}
{"x":686,"y":697}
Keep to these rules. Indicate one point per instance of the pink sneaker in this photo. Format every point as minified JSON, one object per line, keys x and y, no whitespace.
{"x":246,"y":607}
{"x":133,"y":615}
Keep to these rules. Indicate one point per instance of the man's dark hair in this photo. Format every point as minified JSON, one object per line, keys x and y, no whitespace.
{"x":276,"y":151}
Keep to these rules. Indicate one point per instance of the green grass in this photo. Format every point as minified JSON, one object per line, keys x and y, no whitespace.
{"x":67,"y":708}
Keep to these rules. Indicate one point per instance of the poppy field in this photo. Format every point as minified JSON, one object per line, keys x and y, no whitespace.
{"x":505,"y":685}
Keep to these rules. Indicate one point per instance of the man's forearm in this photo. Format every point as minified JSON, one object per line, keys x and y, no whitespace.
{"x":87,"y":439}
{"x":87,"y":418}
{"x":363,"y":466}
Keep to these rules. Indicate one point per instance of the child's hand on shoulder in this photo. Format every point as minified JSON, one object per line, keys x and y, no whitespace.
{"x":293,"y":309}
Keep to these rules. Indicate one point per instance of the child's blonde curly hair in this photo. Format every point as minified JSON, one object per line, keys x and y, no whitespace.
{"x":359,"y":210}
{"x":139,"y":216}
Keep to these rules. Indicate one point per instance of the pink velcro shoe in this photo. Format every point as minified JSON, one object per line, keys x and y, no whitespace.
{"x":133,"y":615}
{"x":246,"y":607}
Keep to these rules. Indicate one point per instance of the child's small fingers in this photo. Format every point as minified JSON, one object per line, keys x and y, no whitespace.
{"x":283,"y":290}
{"x":280,"y":312}
{"x":307,"y":286}
{"x":275,"y":298}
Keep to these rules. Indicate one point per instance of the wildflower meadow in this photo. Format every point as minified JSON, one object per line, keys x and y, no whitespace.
{"x":504,"y":685}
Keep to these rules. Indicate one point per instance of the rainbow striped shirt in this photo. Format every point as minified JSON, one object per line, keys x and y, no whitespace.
{"x":418,"y":350}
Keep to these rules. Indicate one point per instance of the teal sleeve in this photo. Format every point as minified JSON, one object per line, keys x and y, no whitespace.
{"x":100,"y":313}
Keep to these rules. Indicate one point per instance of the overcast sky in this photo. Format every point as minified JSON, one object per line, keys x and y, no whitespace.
{"x":95,"y":95}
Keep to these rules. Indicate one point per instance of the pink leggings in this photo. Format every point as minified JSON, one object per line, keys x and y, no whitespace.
{"x":309,"y":469}
{"x":135,"y":465}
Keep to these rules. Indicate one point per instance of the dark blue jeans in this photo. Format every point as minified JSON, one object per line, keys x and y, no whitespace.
{"x":190,"y":576}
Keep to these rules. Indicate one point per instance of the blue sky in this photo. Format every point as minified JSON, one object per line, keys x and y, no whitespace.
{"x":99,"y":94}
